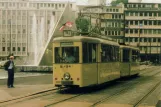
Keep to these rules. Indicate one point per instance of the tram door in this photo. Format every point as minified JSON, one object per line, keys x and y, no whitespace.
{"x":89,"y":65}
{"x":125,"y":62}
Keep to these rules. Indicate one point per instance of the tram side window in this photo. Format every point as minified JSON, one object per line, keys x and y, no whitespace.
{"x":135,"y":55}
{"x":57,"y":55}
{"x":126,"y":55}
{"x":89,"y":52}
{"x":106,"y":53}
{"x":109,"y":53}
{"x":116,"y":54}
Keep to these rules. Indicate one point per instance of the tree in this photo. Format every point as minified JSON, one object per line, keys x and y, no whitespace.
{"x":82,"y":24}
{"x":119,"y":1}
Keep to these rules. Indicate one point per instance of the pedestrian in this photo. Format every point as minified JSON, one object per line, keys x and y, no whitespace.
{"x":9,"y":66}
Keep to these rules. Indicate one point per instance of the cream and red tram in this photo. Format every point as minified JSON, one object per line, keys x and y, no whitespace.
{"x":129,"y":60}
{"x":95,"y":61}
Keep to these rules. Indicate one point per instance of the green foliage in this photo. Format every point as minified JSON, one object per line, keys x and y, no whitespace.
{"x":119,"y":1}
{"x":82,"y":24}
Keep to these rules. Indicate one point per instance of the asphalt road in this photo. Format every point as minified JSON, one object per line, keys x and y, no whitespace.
{"x":30,"y":80}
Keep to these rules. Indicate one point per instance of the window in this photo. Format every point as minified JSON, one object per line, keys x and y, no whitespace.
{"x":154,"y":40}
{"x":56,"y":6}
{"x":136,"y":30}
{"x":126,"y":55}
{"x":109,"y":53}
{"x":150,"y":22}
{"x":14,"y":49}
{"x":150,"y":14}
{"x":136,"y":22}
{"x":24,"y":49}
{"x":155,"y":14}
{"x":18,"y":49}
{"x":154,"y":22}
{"x":135,"y":55}
{"x":68,"y":55}
{"x":136,"y":39}
{"x":24,"y":30}
{"x":3,"y":49}
{"x":89,"y":52}
{"x":8,"y":48}
{"x":131,"y":31}
{"x":141,"y":14}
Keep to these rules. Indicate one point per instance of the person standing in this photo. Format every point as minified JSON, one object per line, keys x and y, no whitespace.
{"x":9,"y":66}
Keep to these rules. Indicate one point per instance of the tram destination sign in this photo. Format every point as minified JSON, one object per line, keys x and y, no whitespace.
{"x":66,"y":43}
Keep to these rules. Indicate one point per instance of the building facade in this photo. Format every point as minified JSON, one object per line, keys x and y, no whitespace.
{"x":24,"y":21}
{"x":143,"y":29}
{"x":136,"y":24}
{"x":109,"y":20}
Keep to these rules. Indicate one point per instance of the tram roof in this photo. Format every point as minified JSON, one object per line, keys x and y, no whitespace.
{"x":129,"y":47}
{"x":85,"y":39}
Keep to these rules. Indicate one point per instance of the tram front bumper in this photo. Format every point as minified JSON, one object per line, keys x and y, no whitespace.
{"x":67,"y":82}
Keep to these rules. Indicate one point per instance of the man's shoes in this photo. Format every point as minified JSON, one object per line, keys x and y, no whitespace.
{"x":12,"y":87}
{"x":9,"y":86}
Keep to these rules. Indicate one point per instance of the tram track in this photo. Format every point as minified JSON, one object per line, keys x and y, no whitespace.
{"x":136,"y":103}
{"x":142,"y":99}
{"x":28,"y":96}
{"x":58,"y":98}
{"x":55,"y":104}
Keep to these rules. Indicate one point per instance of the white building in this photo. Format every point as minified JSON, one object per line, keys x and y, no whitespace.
{"x":27,"y":24}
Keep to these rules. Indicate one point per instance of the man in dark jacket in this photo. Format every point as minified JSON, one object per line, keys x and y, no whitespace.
{"x":9,"y":66}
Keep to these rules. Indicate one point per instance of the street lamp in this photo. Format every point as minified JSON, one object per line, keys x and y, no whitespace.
{"x":10,"y":38}
{"x":140,"y":25}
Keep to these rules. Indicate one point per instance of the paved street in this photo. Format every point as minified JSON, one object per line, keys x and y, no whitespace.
{"x":3,"y":74}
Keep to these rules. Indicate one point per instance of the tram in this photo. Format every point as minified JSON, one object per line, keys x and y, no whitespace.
{"x":129,"y":61}
{"x":86,"y":61}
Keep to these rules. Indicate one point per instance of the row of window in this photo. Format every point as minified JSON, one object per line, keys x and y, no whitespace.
{"x":13,"y":12}
{"x":14,"y":49}
{"x":142,"y":13}
{"x":136,"y":39}
{"x":22,"y":13}
{"x":13,"y":31}
{"x":113,"y":33}
{"x":112,"y":10}
{"x":141,"y":5}
{"x":143,"y":22}
{"x":57,"y":5}
{"x":149,"y":49}
{"x":108,"y":53}
{"x":111,"y":24}
{"x":117,"y":16}
{"x":143,"y":31}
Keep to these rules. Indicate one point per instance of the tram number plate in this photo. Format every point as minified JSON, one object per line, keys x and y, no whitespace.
{"x":67,"y":82}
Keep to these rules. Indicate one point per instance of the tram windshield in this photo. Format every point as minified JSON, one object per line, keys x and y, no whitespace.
{"x":66,"y":54}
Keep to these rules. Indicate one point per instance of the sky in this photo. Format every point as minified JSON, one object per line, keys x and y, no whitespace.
{"x":108,"y":1}
{"x":83,"y":2}
{"x":151,"y":1}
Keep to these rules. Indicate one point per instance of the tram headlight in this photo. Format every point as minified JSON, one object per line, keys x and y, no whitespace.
{"x":66,"y":76}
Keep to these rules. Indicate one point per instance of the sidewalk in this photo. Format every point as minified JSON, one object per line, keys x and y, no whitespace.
{"x":22,"y":88}
{"x":4,"y":75}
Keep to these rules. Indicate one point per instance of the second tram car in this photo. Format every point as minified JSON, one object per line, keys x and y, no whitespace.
{"x":85,"y":61}
{"x":129,"y":61}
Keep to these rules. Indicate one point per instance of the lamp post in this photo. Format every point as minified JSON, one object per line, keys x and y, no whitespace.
{"x":10,"y":38}
{"x":140,"y":25}
{"x":160,"y":52}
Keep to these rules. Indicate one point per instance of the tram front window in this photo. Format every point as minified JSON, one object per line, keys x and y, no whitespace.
{"x":67,"y":55}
